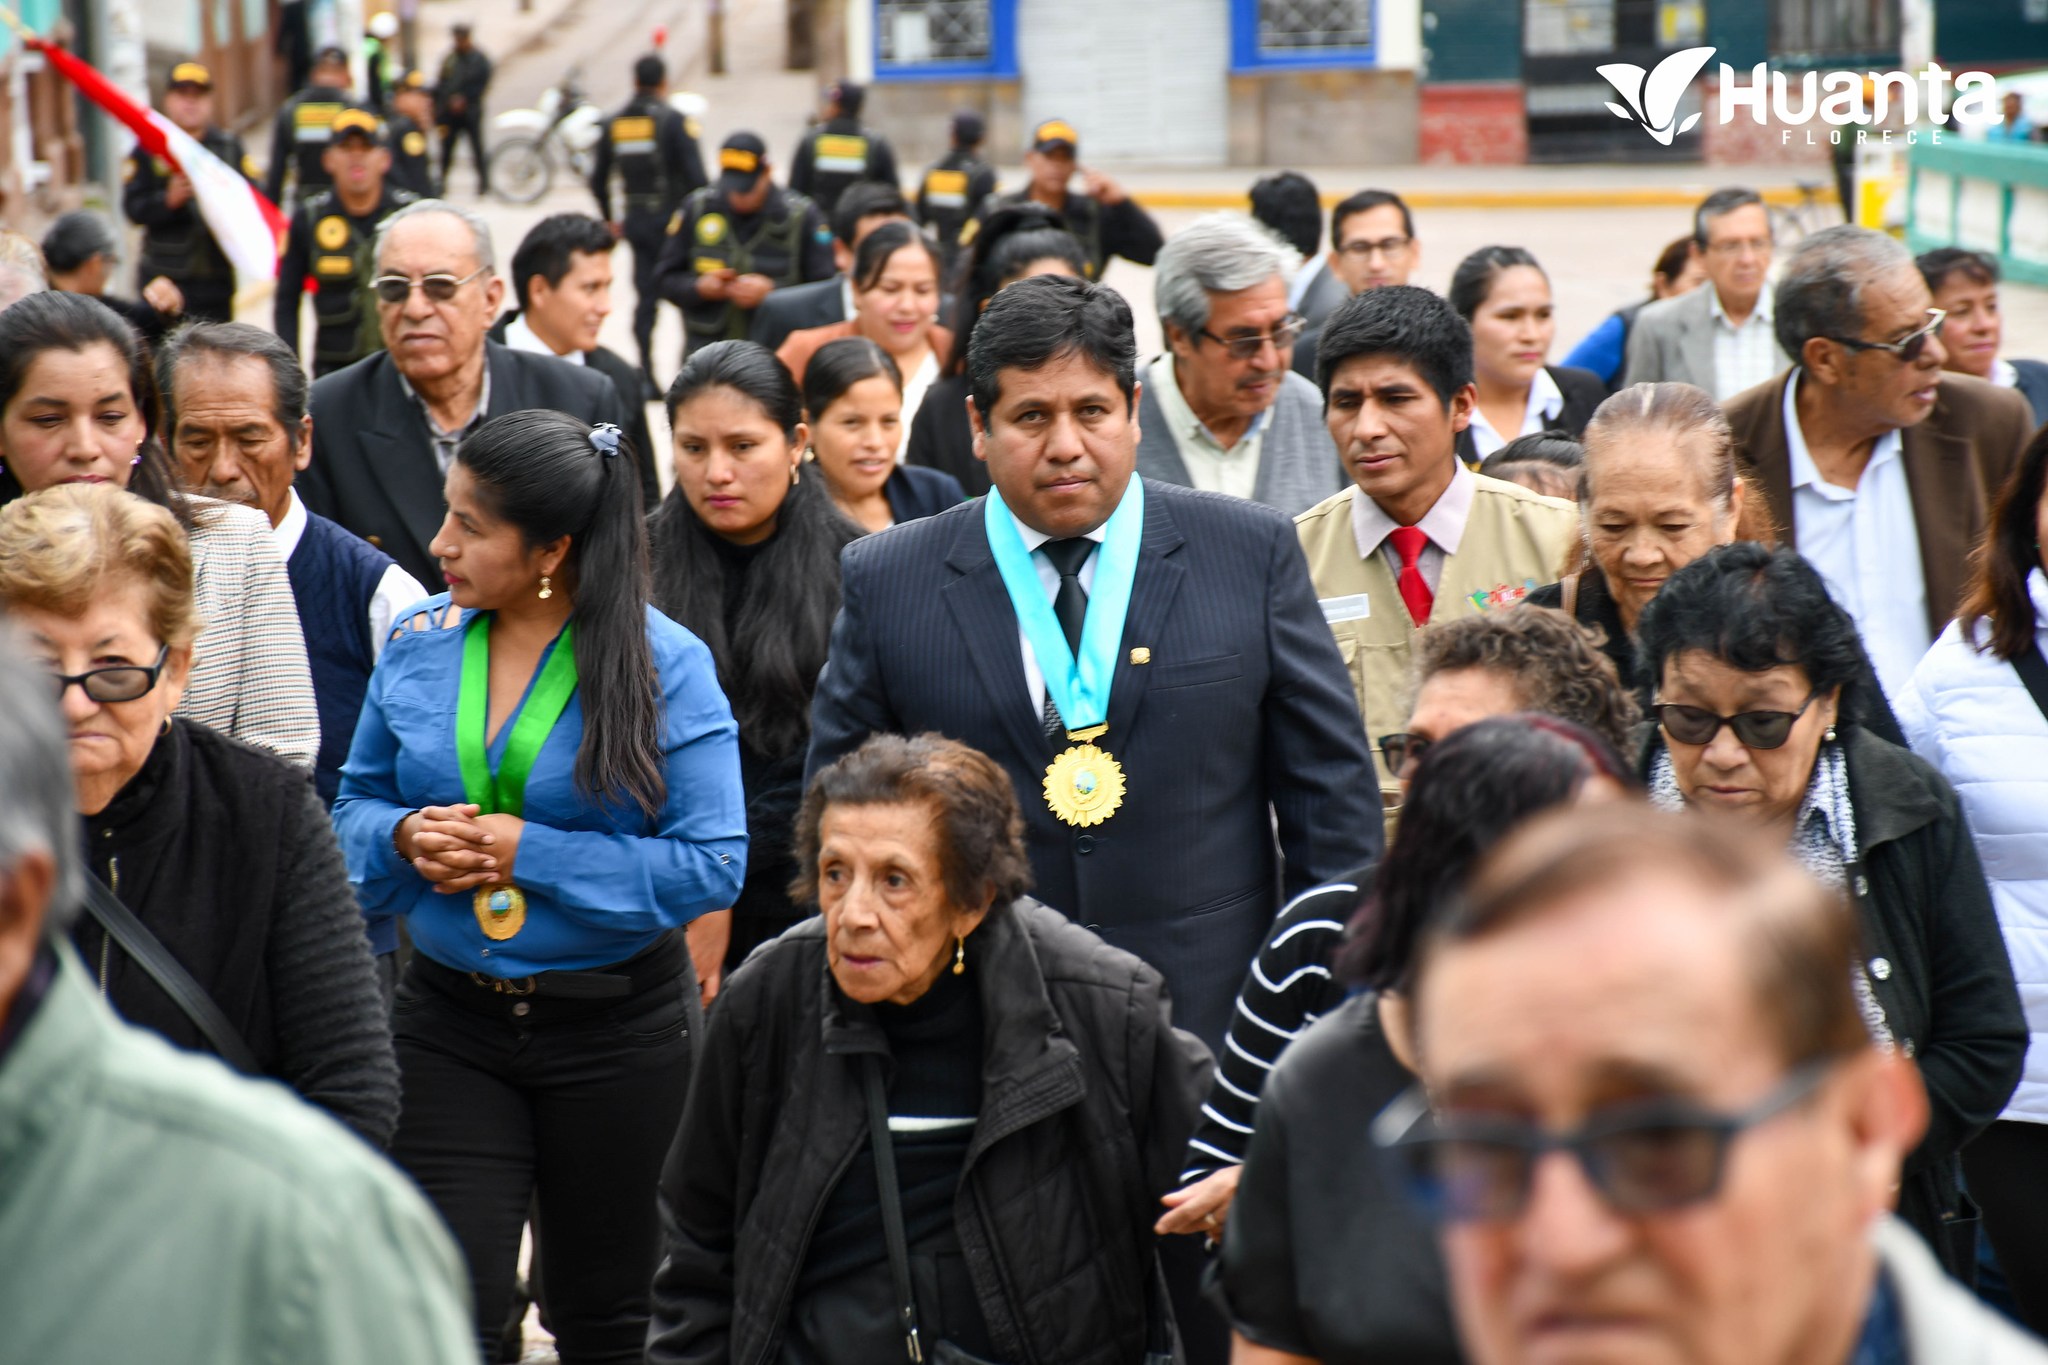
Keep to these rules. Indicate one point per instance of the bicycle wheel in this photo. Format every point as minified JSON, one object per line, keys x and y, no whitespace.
{"x":521,"y":170}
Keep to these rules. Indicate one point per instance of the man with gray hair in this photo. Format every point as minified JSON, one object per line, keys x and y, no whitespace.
{"x":1223,"y":410}
{"x":1719,"y":336}
{"x":1878,"y":466}
{"x":159,"y":1206}
{"x":385,"y":429}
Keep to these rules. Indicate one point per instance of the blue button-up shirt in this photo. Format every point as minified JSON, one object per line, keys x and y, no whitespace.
{"x":602,"y":880}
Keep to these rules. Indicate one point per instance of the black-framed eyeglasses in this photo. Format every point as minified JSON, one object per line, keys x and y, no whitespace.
{"x":1385,"y":246}
{"x":1756,"y":729}
{"x":1283,"y":335}
{"x":115,"y":682}
{"x":1403,"y":752}
{"x":439,"y":287}
{"x":1907,"y":349}
{"x":1643,"y":1158}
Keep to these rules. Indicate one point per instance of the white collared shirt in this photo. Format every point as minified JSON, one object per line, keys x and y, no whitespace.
{"x":1212,"y":466}
{"x":1744,"y":356}
{"x":521,"y":337}
{"x":1546,"y":400}
{"x":1865,"y":541}
{"x":1443,"y":523}
{"x":2005,"y":374}
{"x":396,"y":590}
{"x":1049,"y":579}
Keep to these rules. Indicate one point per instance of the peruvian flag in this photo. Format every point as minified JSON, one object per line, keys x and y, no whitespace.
{"x":247,"y":225}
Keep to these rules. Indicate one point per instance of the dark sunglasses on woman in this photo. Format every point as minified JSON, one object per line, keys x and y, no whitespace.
{"x":1756,"y":729}
{"x":115,"y":682}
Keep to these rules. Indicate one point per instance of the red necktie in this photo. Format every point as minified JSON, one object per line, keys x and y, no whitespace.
{"x":1408,"y":542}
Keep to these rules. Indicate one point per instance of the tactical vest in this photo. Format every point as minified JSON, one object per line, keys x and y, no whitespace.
{"x":312,"y":132}
{"x":184,"y":251}
{"x":635,"y":133}
{"x":775,"y":249}
{"x":346,"y":327}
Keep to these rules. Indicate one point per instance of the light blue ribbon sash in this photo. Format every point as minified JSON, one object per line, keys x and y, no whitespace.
{"x":1078,"y":687}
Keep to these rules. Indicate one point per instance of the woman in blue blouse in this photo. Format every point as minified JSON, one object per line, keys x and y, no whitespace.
{"x":545,"y":783}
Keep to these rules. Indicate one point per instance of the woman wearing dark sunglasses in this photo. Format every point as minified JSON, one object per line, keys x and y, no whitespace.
{"x":221,"y":851}
{"x":1751,"y":656}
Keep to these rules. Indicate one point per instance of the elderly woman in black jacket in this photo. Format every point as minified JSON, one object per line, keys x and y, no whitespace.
{"x":1750,"y":658}
{"x":1032,"y":1087}
{"x":222,"y":851}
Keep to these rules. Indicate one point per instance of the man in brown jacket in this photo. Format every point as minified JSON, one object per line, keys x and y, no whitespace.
{"x":1879,"y":466}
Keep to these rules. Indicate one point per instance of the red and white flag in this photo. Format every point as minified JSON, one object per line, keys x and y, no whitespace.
{"x":249,"y":228}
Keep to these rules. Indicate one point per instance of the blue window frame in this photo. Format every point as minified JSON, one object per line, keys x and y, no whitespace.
{"x":938,"y":40}
{"x":1269,"y":34}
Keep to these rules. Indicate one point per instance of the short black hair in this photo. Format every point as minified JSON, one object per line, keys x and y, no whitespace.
{"x":872,"y":259}
{"x":1551,"y":446}
{"x":230,"y":341}
{"x":1288,"y":203}
{"x":549,"y":250}
{"x":649,"y":72}
{"x":1753,"y":608}
{"x":1360,"y":203}
{"x":1719,"y":204}
{"x":867,"y":199}
{"x":849,"y":96}
{"x":76,"y":238}
{"x":1979,"y":267}
{"x":1038,"y":320}
{"x":1407,"y":322}
{"x":1473,"y":280}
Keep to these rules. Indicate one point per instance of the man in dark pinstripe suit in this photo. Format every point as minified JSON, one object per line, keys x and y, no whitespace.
{"x":1248,"y":777}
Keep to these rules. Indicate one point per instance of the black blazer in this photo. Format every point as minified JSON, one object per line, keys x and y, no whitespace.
{"x":632,"y":386}
{"x":942,"y":438}
{"x":794,"y":307}
{"x":1583,"y":391}
{"x":914,"y":493}
{"x":1242,"y":719}
{"x":373,"y":466}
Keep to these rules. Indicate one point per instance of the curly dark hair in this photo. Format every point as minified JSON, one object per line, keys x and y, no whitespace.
{"x":1557,"y":667}
{"x":1752,"y":608}
{"x":974,"y":811}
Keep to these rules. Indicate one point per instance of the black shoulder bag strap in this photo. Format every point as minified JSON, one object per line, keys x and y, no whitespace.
{"x":2033,"y":671}
{"x":188,"y":995}
{"x":892,"y":1206}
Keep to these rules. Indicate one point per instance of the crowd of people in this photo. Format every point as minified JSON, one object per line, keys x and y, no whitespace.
{"x":1342,"y":841}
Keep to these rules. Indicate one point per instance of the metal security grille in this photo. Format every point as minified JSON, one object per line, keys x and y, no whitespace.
{"x":1294,"y":25}
{"x":1838,"y":28}
{"x":933,"y":30}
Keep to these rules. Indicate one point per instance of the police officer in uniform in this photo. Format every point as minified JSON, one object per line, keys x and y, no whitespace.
{"x":327,"y":252}
{"x":176,"y":243}
{"x":405,"y":128}
{"x":459,"y":105}
{"x":735,"y":241}
{"x":954,"y":186}
{"x":300,"y":135}
{"x":1107,"y":221}
{"x":654,"y":150}
{"x":841,"y":150}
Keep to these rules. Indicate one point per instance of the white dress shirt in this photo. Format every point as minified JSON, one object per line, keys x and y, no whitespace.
{"x":1545,"y":402}
{"x":396,"y":590}
{"x":1049,"y":579}
{"x":2005,"y":374}
{"x":1744,"y":356}
{"x":1443,"y":523}
{"x":1212,"y":466}
{"x":520,"y":337}
{"x":1865,"y":542}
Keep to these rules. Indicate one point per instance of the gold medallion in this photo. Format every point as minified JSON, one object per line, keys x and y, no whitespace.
{"x":331,"y":232}
{"x":501,"y":910}
{"x":1084,"y":785}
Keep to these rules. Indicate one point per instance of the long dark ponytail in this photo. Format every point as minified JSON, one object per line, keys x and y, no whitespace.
{"x":541,"y":471}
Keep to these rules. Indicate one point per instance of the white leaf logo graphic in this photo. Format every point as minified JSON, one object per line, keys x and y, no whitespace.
{"x":1653,"y":96}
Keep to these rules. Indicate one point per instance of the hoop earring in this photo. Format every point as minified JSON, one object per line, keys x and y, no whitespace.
{"x":546,"y":588}
{"x":959,"y":955}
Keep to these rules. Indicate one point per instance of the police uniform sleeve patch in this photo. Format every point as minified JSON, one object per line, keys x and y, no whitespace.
{"x":249,"y":170}
{"x":675,"y":223}
{"x":969,"y":231}
{"x":331,"y":232}
{"x":415,"y":143}
{"x":822,"y":233}
{"x":711,"y":229}
{"x":691,"y":126}
{"x":128,"y":169}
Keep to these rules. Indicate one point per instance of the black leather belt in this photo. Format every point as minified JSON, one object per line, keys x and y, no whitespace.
{"x":661,"y":961}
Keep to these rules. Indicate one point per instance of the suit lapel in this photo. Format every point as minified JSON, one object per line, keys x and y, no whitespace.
{"x":1943,"y":489}
{"x":1158,"y":582}
{"x":1696,"y":337}
{"x":1769,"y":456}
{"x":981,"y":608}
{"x":400,"y":455}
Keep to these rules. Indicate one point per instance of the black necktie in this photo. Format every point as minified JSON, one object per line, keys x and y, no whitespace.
{"x":1069,"y":607}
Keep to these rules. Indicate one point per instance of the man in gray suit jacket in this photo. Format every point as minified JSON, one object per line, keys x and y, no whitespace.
{"x":1222,"y":411}
{"x":1718,"y":337}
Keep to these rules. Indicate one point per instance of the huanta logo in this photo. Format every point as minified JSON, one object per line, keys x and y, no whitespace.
{"x":1838,"y":98}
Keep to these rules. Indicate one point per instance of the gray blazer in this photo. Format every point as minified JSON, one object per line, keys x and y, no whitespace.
{"x":1298,"y":466}
{"x":1673,"y":341}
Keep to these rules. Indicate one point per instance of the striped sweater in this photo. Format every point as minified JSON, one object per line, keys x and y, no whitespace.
{"x":250,"y":679}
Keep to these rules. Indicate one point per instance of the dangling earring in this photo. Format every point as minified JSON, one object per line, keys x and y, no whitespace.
{"x":959,"y":955}
{"x":1828,"y":735}
{"x":138,"y":453}
{"x":546,"y":589}
{"x":793,"y":474}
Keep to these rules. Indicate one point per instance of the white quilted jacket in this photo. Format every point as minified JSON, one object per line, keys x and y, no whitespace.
{"x":1970,"y":716}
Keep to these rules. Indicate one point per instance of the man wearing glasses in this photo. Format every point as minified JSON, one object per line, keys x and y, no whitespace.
{"x":385,"y":429}
{"x":1372,"y":244}
{"x":1221,"y":410}
{"x":1656,"y":1126}
{"x":1878,"y":466}
{"x":1718,"y":338}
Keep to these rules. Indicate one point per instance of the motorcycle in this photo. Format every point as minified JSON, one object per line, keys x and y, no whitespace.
{"x":528,"y":144}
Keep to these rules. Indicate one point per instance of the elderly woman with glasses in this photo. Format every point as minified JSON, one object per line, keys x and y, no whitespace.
{"x":1750,"y":658}
{"x":219,"y":853}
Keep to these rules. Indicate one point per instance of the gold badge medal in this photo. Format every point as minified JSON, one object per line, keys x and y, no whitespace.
{"x":331,"y":232}
{"x":1084,"y":785}
{"x":500,"y":911}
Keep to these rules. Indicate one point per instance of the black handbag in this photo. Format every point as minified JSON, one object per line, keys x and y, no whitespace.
{"x":170,"y":975}
{"x":2033,"y":671}
{"x":1160,"y":1348}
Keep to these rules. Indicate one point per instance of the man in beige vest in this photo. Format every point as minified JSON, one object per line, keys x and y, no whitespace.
{"x":1417,"y":539}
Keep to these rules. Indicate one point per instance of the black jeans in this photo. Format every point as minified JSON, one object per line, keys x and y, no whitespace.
{"x":646,"y":299}
{"x":453,"y":130}
{"x":2007,"y":1169}
{"x":567,"y":1106}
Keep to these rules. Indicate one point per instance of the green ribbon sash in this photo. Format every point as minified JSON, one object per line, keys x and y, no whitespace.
{"x":505,"y":790}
